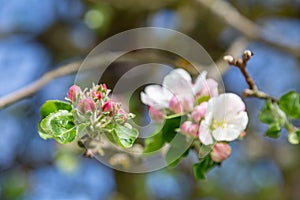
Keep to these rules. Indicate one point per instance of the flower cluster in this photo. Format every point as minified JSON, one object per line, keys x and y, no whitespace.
{"x":215,"y":119}
{"x":88,"y":112}
{"x":95,"y":106}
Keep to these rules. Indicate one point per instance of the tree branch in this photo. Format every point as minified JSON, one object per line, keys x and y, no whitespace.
{"x":51,"y":75}
{"x":233,"y":18}
{"x":38,"y":84}
{"x":241,"y":63}
{"x":237,"y":46}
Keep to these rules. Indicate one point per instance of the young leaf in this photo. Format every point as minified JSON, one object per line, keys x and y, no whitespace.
{"x":178,"y":148}
{"x":125,"y":136}
{"x":53,"y":106}
{"x":59,"y":126}
{"x":154,"y":143}
{"x":174,"y":155}
{"x":164,"y":135}
{"x":273,"y":131}
{"x":271,"y":113}
{"x":200,"y":169}
{"x":169,"y":128}
{"x":294,"y":137}
{"x":290,"y":104}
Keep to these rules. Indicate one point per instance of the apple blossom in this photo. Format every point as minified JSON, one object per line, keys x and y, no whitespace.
{"x":225,"y":119}
{"x":220,"y":152}
{"x":177,"y":92}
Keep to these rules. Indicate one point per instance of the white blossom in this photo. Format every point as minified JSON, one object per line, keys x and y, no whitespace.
{"x":225,"y":119}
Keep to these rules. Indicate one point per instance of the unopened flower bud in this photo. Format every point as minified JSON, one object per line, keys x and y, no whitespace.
{"x":108,"y":106}
{"x":248,"y":53}
{"x":104,"y":87}
{"x":210,"y":88}
{"x":155,"y":114}
{"x":97,"y":94}
{"x":243,"y":134}
{"x":228,"y":58}
{"x":188,"y":104}
{"x":189,"y":128}
{"x":74,"y":92}
{"x":175,"y":105}
{"x":199,"y":111}
{"x":86,"y":105}
{"x":121,"y":116}
{"x":220,"y":152}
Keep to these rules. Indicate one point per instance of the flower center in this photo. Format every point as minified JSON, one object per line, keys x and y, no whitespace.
{"x":219,"y":124}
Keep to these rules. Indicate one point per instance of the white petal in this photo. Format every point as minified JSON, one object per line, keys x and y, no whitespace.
{"x":204,"y":134}
{"x":239,"y":121}
{"x":210,"y":88}
{"x":156,"y":96}
{"x":146,"y":100}
{"x":226,"y":134}
{"x":225,"y":105}
{"x":200,"y":80}
{"x":179,"y":84}
{"x":183,"y":74}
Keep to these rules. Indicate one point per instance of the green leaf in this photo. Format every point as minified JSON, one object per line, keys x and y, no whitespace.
{"x":271,"y":113}
{"x":163,"y":135}
{"x":175,"y":154}
{"x":59,"y":126}
{"x":154,"y":143}
{"x":178,"y":148}
{"x":290,"y":104}
{"x":125,"y":135}
{"x":169,"y":128}
{"x":273,"y":131}
{"x":200,"y":169}
{"x":82,"y":129}
{"x":294,"y":137}
{"x":53,"y":106}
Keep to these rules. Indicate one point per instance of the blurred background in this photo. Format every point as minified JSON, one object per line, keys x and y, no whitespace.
{"x":38,"y":36}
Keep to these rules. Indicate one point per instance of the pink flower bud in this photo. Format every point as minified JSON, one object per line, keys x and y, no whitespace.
{"x":210,"y":88}
{"x":97,"y":95}
{"x":104,"y":87}
{"x":175,"y":105}
{"x":199,"y":111}
{"x":86,"y":105}
{"x":188,"y":104}
{"x":155,"y":114}
{"x":73,"y":92}
{"x":121,"y":116}
{"x":108,"y":106}
{"x":243,"y":134}
{"x":189,"y":128}
{"x":220,"y":152}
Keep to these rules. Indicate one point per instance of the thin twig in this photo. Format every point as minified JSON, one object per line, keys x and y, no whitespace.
{"x":38,"y":84}
{"x":233,"y":18}
{"x":241,"y":63}
{"x":64,"y":70}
